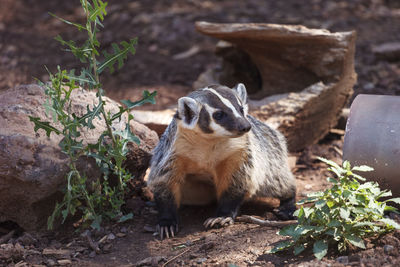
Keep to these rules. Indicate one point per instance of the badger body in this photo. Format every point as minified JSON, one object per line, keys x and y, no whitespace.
{"x":214,"y":151}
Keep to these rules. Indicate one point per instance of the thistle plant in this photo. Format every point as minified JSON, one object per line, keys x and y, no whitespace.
{"x":96,"y":200}
{"x":341,"y":216}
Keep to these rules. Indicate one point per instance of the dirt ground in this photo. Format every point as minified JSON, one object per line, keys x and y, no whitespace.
{"x":165,"y":29}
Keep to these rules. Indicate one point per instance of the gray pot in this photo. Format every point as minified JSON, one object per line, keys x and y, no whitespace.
{"x":373,"y":138}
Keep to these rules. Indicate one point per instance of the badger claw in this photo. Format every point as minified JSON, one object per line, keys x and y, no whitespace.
{"x":218,"y":221}
{"x":167,"y":231}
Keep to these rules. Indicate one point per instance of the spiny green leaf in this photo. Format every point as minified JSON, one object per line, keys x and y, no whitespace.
{"x":82,"y":53}
{"x":147,"y":98}
{"x":43,"y":125}
{"x":79,"y":26}
{"x":85,"y":78}
{"x":320,"y":249}
{"x":119,"y":55}
{"x":98,"y":10}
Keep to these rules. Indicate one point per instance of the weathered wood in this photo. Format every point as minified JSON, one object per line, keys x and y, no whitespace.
{"x":307,"y":75}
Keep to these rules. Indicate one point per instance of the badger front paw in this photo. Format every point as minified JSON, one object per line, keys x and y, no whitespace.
{"x":286,"y":209}
{"x":167,"y":230}
{"x":218,"y":221}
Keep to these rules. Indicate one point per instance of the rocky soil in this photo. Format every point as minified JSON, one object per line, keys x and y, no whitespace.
{"x":166,"y":30}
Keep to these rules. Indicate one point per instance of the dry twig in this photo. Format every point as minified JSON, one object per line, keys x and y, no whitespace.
{"x":92,"y":244}
{"x":251,"y":219}
{"x":175,"y":257}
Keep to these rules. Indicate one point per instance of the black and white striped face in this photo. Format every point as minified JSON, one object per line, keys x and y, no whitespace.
{"x":216,"y":111}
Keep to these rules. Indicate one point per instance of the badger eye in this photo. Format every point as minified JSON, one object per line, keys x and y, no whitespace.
{"x":241,"y":110}
{"x":219,"y":115}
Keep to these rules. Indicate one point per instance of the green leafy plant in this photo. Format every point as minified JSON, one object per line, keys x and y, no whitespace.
{"x":96,"y":199}
{"x":341,"y":216}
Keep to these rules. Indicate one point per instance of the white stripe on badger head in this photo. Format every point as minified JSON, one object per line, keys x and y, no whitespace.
{"x":225,"y":101}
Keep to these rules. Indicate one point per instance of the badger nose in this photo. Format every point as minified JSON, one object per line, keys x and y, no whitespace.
{"x":244,"y":127}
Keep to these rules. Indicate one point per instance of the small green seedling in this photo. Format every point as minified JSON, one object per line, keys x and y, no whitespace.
{"x":341,"y":216}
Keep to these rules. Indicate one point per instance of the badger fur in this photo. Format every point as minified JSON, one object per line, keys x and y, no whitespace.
{"x":214,"y":151}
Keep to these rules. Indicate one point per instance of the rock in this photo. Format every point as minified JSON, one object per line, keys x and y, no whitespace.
{"x":151,"y":261}
{"x":58,"y":253}
{"x":64,"y":262}
{"x":387,"y":51}
{"x":149,"y":229}
{"x":155,"y":120}
{"x":388,"y":249}
{"x":111,"y":236}
{"x":32,"y":167}
{"x":201,"y":260}
{"x":343,"y":260}
{"x":305,"y":75}
{"x":26,"y":239}
{"x":120,"y":235}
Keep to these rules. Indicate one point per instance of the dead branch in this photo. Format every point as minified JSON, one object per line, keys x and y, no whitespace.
{"x":251,"y":219}
{"x":175,"y":257}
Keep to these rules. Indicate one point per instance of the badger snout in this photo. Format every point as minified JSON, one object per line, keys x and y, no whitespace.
{"x":243,"y":127}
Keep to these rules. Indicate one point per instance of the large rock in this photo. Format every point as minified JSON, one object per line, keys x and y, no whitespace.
{"x":32,"y":167}
{"x":299,"y":79}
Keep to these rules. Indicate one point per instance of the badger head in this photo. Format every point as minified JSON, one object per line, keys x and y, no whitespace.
{"x":215,"y":111}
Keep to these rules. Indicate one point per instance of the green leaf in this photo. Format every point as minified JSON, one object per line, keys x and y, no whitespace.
{"x":298,"y":249}
{"x":332,"y":180}
{"x":395,"y":200}
{"x":126,"y":217}
{"x":355,"y":240}
{"x":147,"y":98}
{"x":96,"y":223}
{"x":43,"y":125}
{"x":281,"y":246}
{"x":334,"y":223}
{"x":119,"y":55}
{"x":362,"y":168}
{"x":79,"y":26}
{"x":344,"y":213}
{"x":98,"y":10}
{"x":358,"y":177}
{"x":346,"y":165}
{"x":390,"y":222}
{"x":320,"y":249}
{"x":330,"y":163}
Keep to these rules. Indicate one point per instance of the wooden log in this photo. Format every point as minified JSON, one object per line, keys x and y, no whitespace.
{"x":307,"y":75}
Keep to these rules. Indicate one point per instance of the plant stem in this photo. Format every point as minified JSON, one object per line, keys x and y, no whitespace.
{"x":96,"y":74}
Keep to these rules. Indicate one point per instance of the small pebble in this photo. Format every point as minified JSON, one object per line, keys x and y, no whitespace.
{"x":124,"y":229}
{"x":388,"y":249}
{"x":201,"y":260}
{"x":92,"y":254}
{"x":149,"y":229}
{"x":121,"y":235}
{"x":111,"y":236}
{"x":343,"y":259}
{"x":64,"y":262}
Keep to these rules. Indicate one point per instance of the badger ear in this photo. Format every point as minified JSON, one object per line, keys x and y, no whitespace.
{"x":240,"y":89}
{"x":188,"y":110}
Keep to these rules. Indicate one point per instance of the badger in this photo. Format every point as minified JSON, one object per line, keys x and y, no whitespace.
{"x":213,"y":150}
